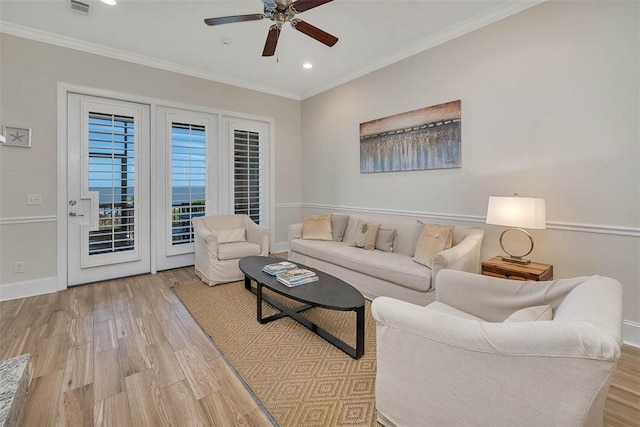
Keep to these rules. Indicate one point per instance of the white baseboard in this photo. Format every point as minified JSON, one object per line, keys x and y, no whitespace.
{"x":631,"y":333}
{"x":28,"y":288}
{"x":280,"y":247}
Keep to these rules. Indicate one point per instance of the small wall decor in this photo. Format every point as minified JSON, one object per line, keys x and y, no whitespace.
{"x":427,"y":138}
{"x":16,"y":136}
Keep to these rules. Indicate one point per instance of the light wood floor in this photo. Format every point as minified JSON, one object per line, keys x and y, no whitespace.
{"x":122,"y":353}
{"x":126,"y":352}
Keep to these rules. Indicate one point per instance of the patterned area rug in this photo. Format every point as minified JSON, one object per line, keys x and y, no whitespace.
{"x":300,"y":378}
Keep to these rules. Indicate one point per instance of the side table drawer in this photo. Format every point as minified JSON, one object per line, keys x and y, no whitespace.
{"x":504,"y":275}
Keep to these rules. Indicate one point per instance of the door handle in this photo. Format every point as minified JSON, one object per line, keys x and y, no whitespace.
{"x":74,"y":213}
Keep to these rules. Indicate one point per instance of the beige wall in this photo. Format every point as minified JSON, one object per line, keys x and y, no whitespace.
{"x":29,"y":75}
{"x":549,"y":109}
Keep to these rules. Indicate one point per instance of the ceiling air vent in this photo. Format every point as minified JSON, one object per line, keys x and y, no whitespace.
{"x":79,"y":7}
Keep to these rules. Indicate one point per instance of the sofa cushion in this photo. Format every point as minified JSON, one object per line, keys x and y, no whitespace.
{"x":338,"y":226}
{"x":432,"y":240}
{"x":390,"y":266}
{"x":531,"y":314}
{"x":230,"y":236}
{"x":237,"y":250}
{"x":317,"y":227}
{"x":384,"y":241}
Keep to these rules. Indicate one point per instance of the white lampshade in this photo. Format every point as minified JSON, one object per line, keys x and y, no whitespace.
{"x":521,"y":212}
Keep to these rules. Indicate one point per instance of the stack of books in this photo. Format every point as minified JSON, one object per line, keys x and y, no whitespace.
{"x":278,"y":267}
{"x":296,"y":277}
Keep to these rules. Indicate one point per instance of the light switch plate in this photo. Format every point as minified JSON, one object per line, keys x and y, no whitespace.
{"x":34,"y":199}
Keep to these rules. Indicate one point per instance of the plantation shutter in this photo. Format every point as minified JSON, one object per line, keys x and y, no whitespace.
{"x":111,"y":164}
{"x":188,"y":179}
{"x":247,"y":174}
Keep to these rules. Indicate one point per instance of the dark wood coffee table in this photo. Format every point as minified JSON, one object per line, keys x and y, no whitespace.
{"x":328,"y":292}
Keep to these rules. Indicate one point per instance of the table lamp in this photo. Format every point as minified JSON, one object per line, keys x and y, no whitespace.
{"x":518,"y":213}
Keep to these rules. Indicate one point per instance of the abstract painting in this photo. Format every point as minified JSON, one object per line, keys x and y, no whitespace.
{"x":427,"y":138}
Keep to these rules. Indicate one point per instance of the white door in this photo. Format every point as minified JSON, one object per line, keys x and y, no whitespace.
{"x":186,"y":187}
{"x":108,"y":189}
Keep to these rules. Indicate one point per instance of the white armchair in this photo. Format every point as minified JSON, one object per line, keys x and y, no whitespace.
{"x":455,"y":363}
{"x":220,"y":242}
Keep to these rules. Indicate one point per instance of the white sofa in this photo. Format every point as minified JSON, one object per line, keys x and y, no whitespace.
{"x":455,"y":363}
{"x":377,"y":273}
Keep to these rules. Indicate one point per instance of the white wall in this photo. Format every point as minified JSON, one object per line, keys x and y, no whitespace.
{"x":549,"y":109}
{"x":29,"y":75}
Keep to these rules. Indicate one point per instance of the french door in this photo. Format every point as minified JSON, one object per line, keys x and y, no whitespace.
{"x":186,"y":183}
{"x":108,"y":189}
{"x":130,"y":200}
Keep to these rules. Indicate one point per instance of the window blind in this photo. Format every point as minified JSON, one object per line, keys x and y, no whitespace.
{"x":188,"y":179}
{"x":111,"y":164}
{"x":247,"y":173}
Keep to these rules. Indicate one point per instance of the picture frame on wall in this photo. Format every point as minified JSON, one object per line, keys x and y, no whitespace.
{"x":422,"y":139}
{"x":16,"y":136}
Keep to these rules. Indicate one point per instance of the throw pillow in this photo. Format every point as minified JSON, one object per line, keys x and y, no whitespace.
{"x":338,"y":226}
{"x":384,"y":241}
{"x":317,"y":227}
{"x":433,"y":239}
{"x":366,"y":234}
{"x":449,"y":243}
{"x":530,"y":314}
{"x":230,"y":236}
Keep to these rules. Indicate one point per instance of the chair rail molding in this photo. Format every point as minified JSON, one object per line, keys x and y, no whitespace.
{"x":28,"y":219}
{"x":553,"y":225}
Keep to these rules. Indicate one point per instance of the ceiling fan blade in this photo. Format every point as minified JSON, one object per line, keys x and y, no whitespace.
{"x":272,"y":41}
{"x":314,"y":32}
{"x":233,"y":19}
{"x":302,"y":5}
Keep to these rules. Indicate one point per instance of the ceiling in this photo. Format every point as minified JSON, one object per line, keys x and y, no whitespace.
{"x":171,"y":34}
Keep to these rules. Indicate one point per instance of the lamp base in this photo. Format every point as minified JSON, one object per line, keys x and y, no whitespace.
{"x":516,"y":260}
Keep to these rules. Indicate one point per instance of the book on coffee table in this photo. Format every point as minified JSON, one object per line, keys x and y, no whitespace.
{"x":278,"y":267}
{"x":295,"y":277}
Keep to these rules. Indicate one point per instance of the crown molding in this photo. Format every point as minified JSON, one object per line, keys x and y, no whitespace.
{"x":487,"y":18}
{"x":96,"y":49}
{"x":510,"y":8}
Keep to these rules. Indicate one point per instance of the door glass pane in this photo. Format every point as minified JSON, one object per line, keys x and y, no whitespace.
{"x":246,"y":174}
{"x":112,"y":174}
{"x":188,"y":179}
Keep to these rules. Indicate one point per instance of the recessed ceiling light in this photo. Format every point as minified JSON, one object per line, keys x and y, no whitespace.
{"x":109,"y":2}
{"x":307,"y":65}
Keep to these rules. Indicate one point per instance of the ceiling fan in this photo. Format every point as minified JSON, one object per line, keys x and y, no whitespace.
{"x":280,"y":12}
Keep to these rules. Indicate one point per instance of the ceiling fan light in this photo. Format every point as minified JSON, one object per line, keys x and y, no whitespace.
{"x":109,"y":2}
{"x":307,"y":65}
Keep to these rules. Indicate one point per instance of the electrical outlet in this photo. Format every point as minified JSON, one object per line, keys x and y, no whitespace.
{"x":34,"y":199}
{"x":18,"y":266}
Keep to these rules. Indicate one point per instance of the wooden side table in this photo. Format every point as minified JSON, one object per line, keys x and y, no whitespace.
{"x":496,"y":267}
